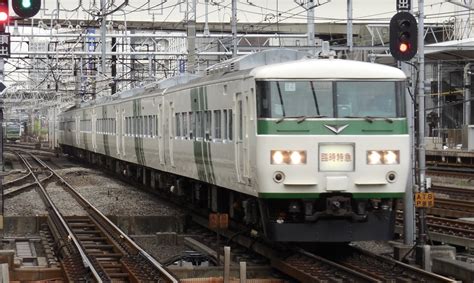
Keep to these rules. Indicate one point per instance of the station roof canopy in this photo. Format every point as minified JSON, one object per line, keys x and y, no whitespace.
{"x":453,"y":50}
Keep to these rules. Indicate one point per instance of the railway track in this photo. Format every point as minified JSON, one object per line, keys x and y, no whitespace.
{"x":454,"y":192}
{"x":92,"y":248}
{"x":453,"y":208}
{"x":350,"y":265}
{"x":452,"y":231}
{"x":456,"y":172}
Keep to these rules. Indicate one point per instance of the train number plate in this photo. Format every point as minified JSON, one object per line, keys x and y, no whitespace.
{"x":424,"y":199}
{"x":336,"y":157}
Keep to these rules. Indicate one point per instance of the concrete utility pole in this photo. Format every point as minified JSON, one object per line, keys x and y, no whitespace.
{"x":206,"y":19}
{"x":103,"y":31}
{"x":349,"y":36}
{"x":467,"y":94}
{"x":409,"y":223}
{"x":191,"y":21}
{"x":234,"y":28}
{"x":310,"y":17}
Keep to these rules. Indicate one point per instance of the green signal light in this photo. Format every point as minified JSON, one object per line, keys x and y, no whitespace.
{"x":26,"y":3}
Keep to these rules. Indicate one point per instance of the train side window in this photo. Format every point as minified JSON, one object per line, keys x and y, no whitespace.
{"x":177,"y":125}
{"x":126,"y":126}
{"x":146,"y":125}
{"x":152,"y":125}
{"x":224,"y":125}
{"x":208,"y":124}
{"x":153,"y":117}
{"x":192,"y":125}
{"x":200,"y":124}
{"x":184,"y":123}
{"x":217,"y":124}
{"x":230,"y":125}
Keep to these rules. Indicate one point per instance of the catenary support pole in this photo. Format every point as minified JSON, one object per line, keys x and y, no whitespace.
{"x":349,"y":32}
{"x":103,"y":31}
{"x":234,"y":28}
{"x":191,"y":21}
{"x":310,"y":18}
{"x":409,"y":209}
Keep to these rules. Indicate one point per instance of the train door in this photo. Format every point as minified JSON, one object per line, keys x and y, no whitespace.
{"x":161,"y":141}
{"x":171,"y":128}
{"x":116,"y":127}
{"x":241,"y":138}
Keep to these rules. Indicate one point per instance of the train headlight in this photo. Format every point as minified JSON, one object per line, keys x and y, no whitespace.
{"x":291,"y":157}
{"x":390,"y":157}
{"x":278,"y":157}
{"x":298,"y":157}
{"x":386,"y":157}
{"x":374,"y":157}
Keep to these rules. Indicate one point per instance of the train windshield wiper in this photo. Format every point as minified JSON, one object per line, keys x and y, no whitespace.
{"x":370,"y":119}
{"x":287,"y":117}
{"x":303,"y":118}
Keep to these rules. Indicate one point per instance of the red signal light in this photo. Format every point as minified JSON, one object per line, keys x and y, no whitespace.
{"x":3,"y":16}
{"x":3,"y":11}
{"x":403,"y":47}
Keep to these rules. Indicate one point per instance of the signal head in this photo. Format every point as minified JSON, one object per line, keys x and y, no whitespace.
{"x":26,"y":8}
{"x":403,"y":36}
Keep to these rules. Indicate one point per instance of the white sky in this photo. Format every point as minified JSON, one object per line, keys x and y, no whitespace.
{"x":261,"y":10}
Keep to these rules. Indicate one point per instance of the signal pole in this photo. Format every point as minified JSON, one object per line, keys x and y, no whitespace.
{"x":421,"y":121}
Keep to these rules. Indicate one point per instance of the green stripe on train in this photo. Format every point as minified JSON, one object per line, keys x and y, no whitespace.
{"x":202,"y":149}
{"x":311,"y":127}
{"x":317,"y":195}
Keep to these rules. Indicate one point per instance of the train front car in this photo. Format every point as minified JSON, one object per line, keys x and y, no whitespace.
{"x":332,"y":149}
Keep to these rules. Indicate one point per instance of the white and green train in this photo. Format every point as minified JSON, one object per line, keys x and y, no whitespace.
{"x":304,"y":150}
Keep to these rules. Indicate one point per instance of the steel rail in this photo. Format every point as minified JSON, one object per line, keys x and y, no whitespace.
{"x":12,"y":183}
{"x":102,"y":217}
{"x":13,"y":191}
{"x":49,"y":203}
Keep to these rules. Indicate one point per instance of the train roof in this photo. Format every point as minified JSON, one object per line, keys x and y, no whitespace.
{"x":327,"y":69}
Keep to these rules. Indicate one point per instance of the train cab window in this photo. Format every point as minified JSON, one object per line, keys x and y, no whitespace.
{"x":364,"y":98}
{"x":321,"y":99}
{"x":276,"y":99}
{"x":217,"y":124}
